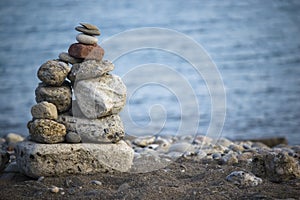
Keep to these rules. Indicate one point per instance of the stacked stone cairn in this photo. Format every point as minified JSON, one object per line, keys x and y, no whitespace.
{"x":81,"y":135}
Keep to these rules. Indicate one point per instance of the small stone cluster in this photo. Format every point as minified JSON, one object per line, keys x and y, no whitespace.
{"x":100,"y":96}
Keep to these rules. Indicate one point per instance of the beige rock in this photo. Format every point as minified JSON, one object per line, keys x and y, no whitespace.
{"x":44,"y":110}
{"x":86,"y":39}
{"x":89,"y":26}
{"x":36,"y":160}
{"x":46,"y":131}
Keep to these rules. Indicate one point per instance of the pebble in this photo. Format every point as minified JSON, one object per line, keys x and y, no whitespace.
{"x":95,"y":182}
{"x":4,"y":160}
{"x":65,"y":57}
{"x":53,"y":72}
{"x":242,"y":178}
{"x":181,"y":147}
{"x":73,"y":137}
{"x":86,"y":39}
{"x":41,"y":178}
{"x":144,"y":141}
{"x":44,"y":110}
{"x":54,"y":189}
{"x":13,"y":138}
{"x":87,"y":31}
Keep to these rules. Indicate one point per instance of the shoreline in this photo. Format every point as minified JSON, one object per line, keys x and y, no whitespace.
{"x":189,"y":175}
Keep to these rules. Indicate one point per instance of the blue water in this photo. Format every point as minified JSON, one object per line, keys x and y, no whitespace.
{"x":255,"y":45}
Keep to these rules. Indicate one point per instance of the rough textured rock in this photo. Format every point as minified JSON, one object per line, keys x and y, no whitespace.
{"x":37,"y":160}
{"x":44,"y":110}
{"x":61,"y":96}
{"x":87,"y":31}
{"x":84,"y":51}
{"x":86,"y":39}
{"x":277,"y":167}
{"x":90,"y":69}
{"x":101,"y":96}
{"x":46,"y":131}
{"x":105,"y":129}
{"x":73,"y":137}
{"x":65,"y":57}
{"x":53,"y":72}
{"x":242,"y":178}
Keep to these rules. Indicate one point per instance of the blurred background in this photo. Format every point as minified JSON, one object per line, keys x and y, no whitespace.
{"x":255,"y":45}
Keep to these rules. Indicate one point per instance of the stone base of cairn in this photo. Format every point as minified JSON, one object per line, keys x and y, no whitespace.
{"x":82,"y":135}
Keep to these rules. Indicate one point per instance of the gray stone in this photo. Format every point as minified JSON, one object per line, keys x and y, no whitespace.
{"x":87,"y":31}
{"x":60,"y":96}
{"x":242,"y":178}
{"x":101,"y":96}
{"x":37,"y":160}
{"x":73,"y":137}
{"x":90,"y":69}
{"x":4,"y":160}
{"x":46,"y":131}
{"x":44,"y":110}
{"x":277,"y":167}
{"x":65,"y":57}
{"x":105,"y":129}
{"x":86,"y":39}
{"x":53,"y":72}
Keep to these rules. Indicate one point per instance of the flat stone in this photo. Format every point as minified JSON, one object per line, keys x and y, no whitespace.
{"x":46,"y":131}
{"x":86,"y":39}
{"x":73,"y":137}
{"x":87,"y":31}
{"x":60,"y":96}
{"x":36,"y":160}
{"x":101,"y":96}
{"x":84,"y":51}
{"x":105,"y":129}
{"x":65,"y":57}
{"x":89,"y":26}
{"x":53,"y":72}
{"x":44,"y":110}
{"x":90,"y":69}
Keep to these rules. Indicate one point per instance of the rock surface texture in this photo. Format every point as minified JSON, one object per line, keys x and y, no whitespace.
{"x":35,"y":160}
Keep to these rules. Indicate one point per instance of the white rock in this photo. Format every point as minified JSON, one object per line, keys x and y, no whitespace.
{"x":13,"y":138}
{"x":37,"y":160}
{"x":243,"y":179}
{"x":101,"y":96}
{"x":181,"y":147}
{"x":144,"y":141}
{"x":86,"y":39}
{"x":44,"y":110}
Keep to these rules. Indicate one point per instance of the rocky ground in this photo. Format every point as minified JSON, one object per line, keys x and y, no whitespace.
{"x":185,"y":170}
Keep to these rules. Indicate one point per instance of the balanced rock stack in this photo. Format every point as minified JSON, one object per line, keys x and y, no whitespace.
{"x":82,"y":135}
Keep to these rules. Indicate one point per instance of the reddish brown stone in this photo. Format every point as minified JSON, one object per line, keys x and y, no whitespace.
{"x":84,"y":51}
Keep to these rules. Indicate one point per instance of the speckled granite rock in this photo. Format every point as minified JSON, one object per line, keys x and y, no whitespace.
{"x":53,"y":72}
{"x":37,"y":160}
{"x":105,"y":129}
{"x":46,"y":131}
{"x":60,"y":96}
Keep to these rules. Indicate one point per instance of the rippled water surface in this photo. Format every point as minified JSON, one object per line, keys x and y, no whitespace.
{"x":255,"y":44}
